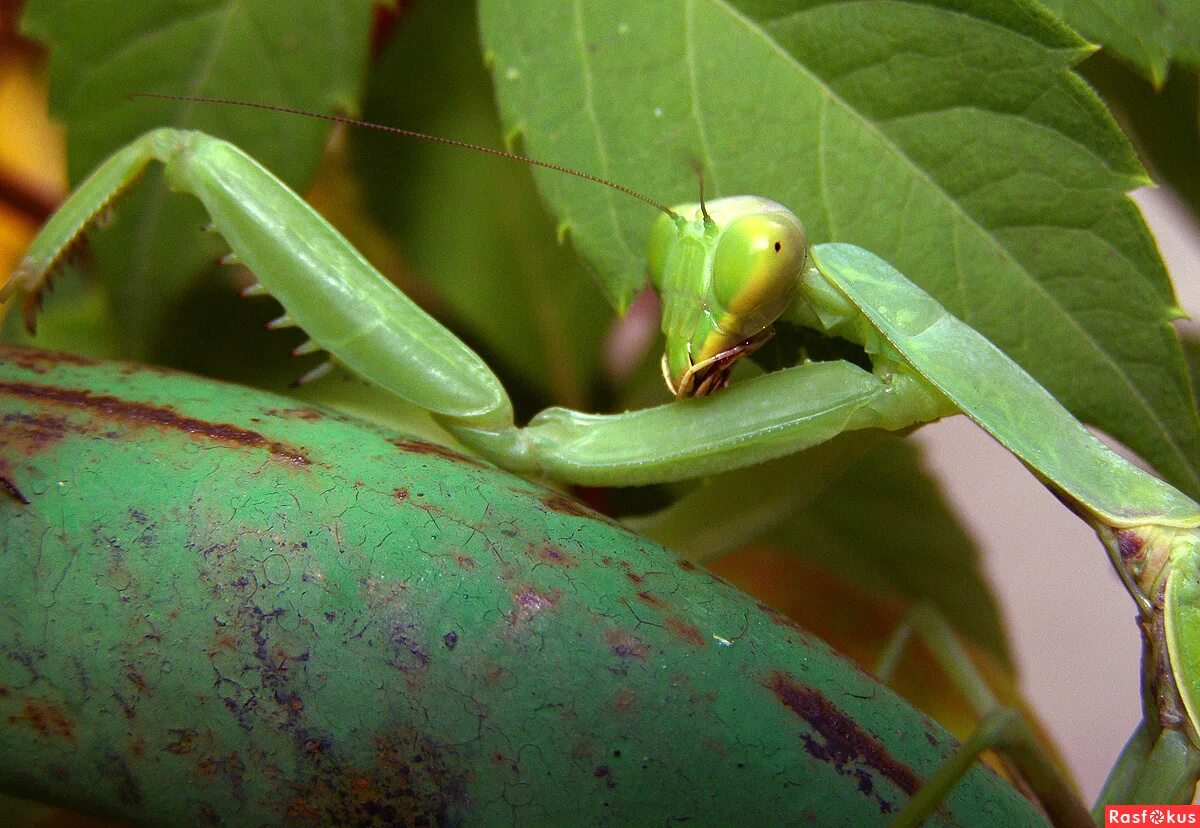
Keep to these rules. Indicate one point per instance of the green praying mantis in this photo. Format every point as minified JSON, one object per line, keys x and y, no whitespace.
{"x":726,"y":271}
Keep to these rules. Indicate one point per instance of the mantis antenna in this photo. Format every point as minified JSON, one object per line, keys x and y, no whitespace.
{"x":339,"y":119}
{"x":699,"y":168}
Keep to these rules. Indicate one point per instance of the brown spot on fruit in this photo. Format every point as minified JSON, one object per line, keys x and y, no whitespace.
{"x":686,"y":631}
{"x":8,"y":486}
{"x":415,"y":446}
{"x":302,"y":412}
{"x":554,"y":556}
{"x":624,"y":645}
{"x":412,"y":781}
{"x":604,"y":773}
{"x":567,"y":505}
{"x":185,"y":742}
{"x":529,"y":602}
{"x":39,"y":361}
{"x":133,"y":413}
{"x":839,"y":741}
{"x":649,"y":598}
{"x":46,"y":719}
{"x":32,"y":434}
{"x":400,"y":493}
{"x":138,"y":681}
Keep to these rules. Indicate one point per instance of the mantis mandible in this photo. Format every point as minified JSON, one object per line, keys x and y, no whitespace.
{"x":725,"y":270}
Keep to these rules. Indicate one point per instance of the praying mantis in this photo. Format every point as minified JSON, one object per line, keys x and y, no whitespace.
{"x":848,"y":286}
{"x":726,"y":270}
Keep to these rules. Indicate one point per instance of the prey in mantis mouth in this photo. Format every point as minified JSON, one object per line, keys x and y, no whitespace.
{"x":725,"y":271}
{"x":712,"y":374}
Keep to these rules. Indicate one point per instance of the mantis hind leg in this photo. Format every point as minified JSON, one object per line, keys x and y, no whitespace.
{"x":1000,"y":728}
{"x":325,"y":286}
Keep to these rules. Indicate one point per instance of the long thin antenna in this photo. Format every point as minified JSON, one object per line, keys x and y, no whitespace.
{"x":338,"y":119}
{"x":699,"y":168}
{"x":703,"y":204}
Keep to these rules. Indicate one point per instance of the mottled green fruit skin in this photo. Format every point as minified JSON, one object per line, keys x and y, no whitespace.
{"x":218,"y":606}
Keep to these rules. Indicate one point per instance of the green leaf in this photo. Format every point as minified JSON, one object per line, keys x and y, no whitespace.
{"x":954,"y":142}
{"x":1164,"y":122}
{"x":470,"y":225}
{"x":1148,"y":35}
{"x":309,"y":54}
{"x":912,"y":545}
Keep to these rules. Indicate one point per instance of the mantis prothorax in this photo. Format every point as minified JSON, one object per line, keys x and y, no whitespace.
{"x":725,"y":271}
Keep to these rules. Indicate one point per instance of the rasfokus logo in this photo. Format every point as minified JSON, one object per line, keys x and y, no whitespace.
{"x":1151,"y":815}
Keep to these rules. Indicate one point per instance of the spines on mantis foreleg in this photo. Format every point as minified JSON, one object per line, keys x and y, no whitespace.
{"x":986,"y":385}
{"x":346,"y":306}
{"x":328,"y":288}
{"x":63,"y":234}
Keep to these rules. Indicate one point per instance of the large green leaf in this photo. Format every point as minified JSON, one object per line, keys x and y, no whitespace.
{"x":103,"y":50}
{"x":950,"y":138}
{"x":469,"y":225}
{"x":1147,"y":34}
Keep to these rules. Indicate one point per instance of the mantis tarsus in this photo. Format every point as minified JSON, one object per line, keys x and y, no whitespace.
{"x":726,"y":270}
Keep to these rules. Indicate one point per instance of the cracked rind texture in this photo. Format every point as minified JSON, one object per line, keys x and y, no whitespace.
{"x":221,"y":606}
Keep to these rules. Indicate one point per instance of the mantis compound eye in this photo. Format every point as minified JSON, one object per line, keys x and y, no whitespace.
{"x":757,"y":267}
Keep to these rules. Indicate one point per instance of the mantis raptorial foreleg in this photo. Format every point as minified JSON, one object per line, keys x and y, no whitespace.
{"x":318,"y":277}
{"x":350,"y":310}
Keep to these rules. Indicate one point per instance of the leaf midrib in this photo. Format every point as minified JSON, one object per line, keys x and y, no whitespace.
{"x":589,"y":105}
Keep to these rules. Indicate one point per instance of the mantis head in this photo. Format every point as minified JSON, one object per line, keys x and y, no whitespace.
{"x":725,"y":272}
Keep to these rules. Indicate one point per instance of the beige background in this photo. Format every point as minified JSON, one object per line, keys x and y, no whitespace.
{"x":1070,"y":621}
